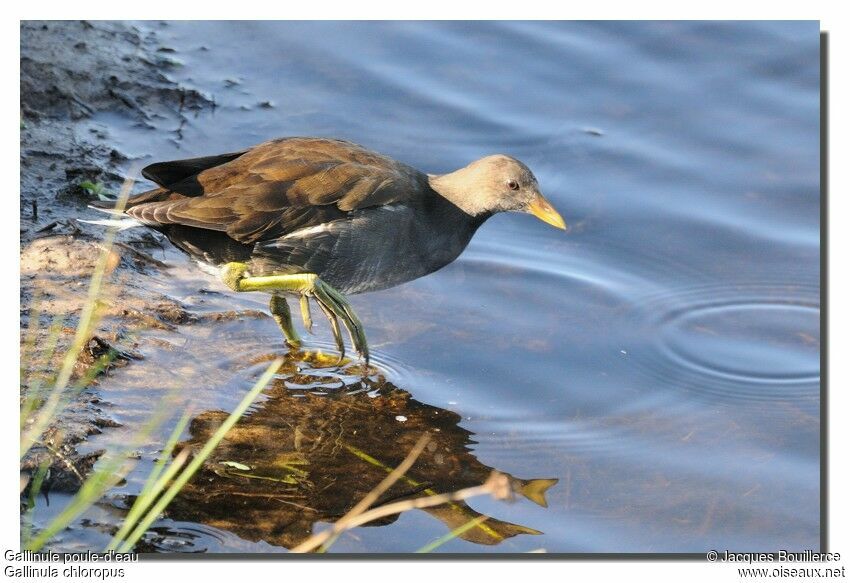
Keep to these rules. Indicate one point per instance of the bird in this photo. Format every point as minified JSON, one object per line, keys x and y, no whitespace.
{"x":323,"y":218}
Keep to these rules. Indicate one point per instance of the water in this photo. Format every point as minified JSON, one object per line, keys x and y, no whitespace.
{"x":661,"y":360}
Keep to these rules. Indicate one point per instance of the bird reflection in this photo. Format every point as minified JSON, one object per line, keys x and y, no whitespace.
{"x":320,"y":441}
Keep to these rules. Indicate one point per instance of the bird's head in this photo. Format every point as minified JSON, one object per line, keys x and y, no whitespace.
{"x":496,"y":184}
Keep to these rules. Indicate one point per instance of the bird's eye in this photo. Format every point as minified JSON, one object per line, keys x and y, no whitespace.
{"x":513,"y":184}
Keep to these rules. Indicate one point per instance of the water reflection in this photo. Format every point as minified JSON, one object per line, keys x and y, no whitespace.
{"x":323,"y":438}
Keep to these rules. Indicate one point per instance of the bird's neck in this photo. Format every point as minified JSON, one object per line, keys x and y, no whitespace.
{"x":456,"y":188}
{"x":448,"y":219}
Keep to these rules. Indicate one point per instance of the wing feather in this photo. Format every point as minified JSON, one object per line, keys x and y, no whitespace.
{"x":280,"y":186}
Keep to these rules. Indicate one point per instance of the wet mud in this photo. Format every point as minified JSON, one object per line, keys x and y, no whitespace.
{"x":70,"y":73}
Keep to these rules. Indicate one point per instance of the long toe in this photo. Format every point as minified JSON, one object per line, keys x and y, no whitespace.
{"x":341,"y":307}
{"x":332,"y":319}
{"x":306,"y":316}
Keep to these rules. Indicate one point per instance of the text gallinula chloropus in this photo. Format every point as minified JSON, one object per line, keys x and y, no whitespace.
{"x":319,"y":218}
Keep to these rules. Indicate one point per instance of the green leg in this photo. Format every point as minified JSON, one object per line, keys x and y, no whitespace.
{"x":307,"y":285}
{"x":280,"y":312}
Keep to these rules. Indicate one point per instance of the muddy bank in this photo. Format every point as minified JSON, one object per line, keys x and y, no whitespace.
{"x":71,"y":73}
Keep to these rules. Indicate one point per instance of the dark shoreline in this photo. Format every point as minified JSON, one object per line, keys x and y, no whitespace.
{"x":71,"y":71}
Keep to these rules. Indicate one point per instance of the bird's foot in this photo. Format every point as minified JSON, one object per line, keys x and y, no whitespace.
{"x":336,"y":307}
{"x":308,"y":285}
{"x":281,"y":314}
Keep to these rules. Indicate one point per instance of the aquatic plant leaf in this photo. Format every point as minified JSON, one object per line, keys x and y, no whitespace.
{"x":236,"y":465}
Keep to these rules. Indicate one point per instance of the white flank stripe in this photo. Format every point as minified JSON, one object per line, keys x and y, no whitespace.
{"x":121,"y":224}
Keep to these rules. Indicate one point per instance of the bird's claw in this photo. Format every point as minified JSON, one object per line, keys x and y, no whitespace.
{"x":336,"y":308}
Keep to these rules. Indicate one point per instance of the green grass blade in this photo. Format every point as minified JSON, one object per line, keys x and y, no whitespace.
{"x":199,"y":459}
{"x":88,"y":319}
{"x":170,"y":444}
{"x":91,"y":490}
{"x":153,"y":485}
{"x":33,"y":396}
{"x":35,"y":489}
{"x":111,"y":470}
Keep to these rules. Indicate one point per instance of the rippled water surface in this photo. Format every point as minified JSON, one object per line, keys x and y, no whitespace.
{"x":660,"y":360}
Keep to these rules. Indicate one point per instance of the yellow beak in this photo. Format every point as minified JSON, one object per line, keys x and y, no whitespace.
{"x":543,"y":210}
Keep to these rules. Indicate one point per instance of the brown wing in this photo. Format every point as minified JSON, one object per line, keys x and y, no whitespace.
{"x":280,"y":186}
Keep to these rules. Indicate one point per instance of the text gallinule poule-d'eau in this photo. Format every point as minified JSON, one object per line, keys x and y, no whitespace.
{"x":319,"y":218}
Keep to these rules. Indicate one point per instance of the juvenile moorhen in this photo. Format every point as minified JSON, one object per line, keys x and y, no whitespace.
{"x":317,"y":217}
